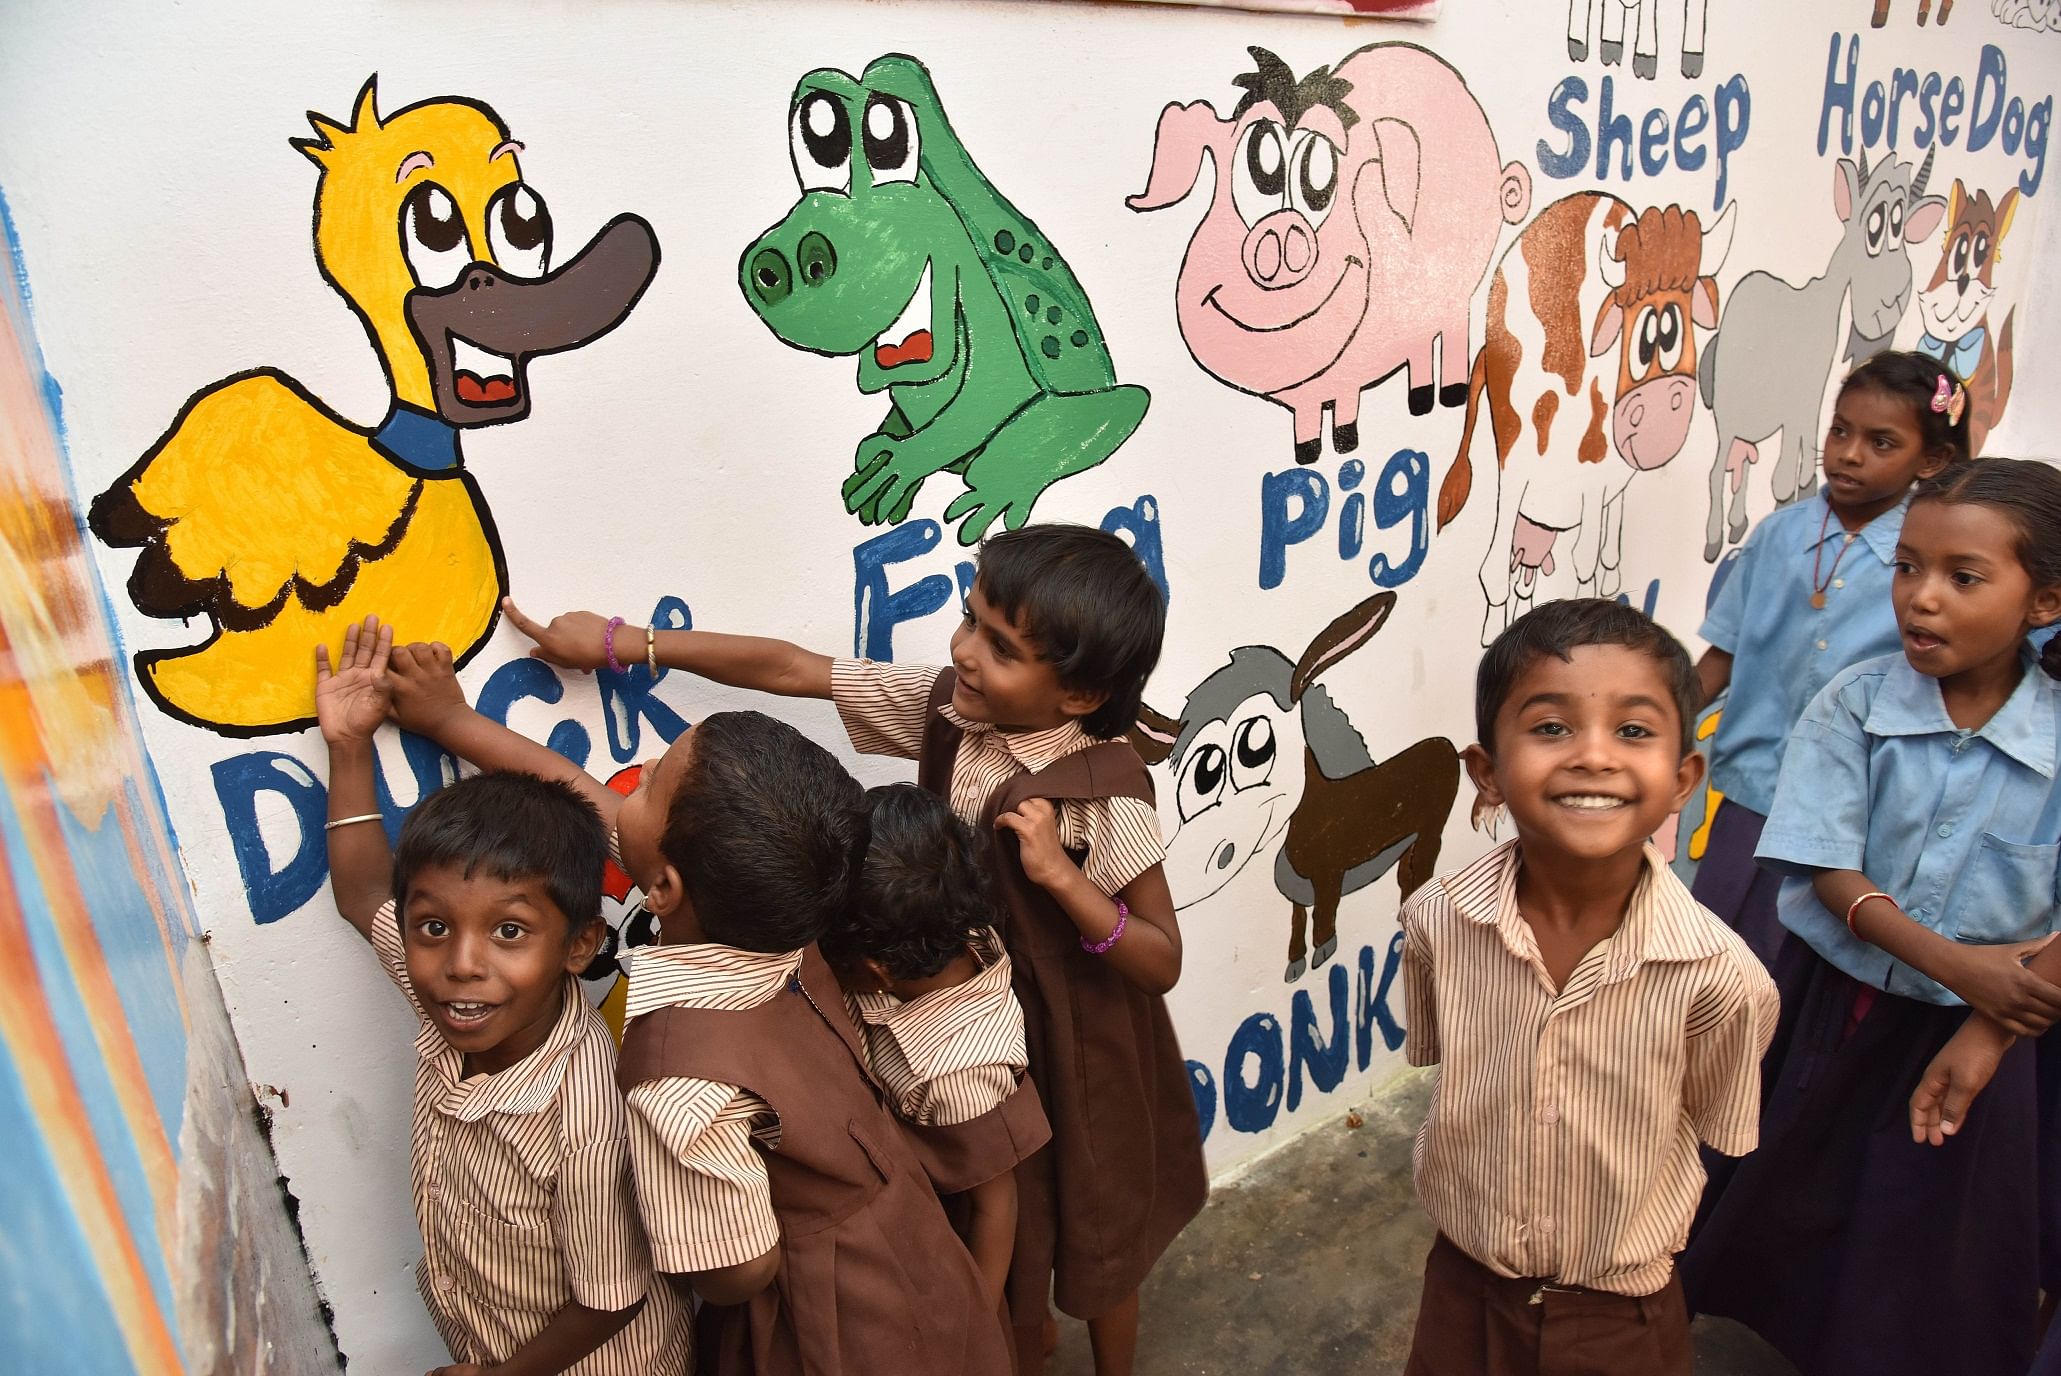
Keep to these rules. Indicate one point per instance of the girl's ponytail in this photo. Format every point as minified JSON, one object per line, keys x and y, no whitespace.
{"x":2050,"y":657}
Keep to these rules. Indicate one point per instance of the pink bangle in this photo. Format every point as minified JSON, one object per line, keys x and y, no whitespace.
{"x":608,"y":643}
{"x":1096,"y":948}
{"x":1855,"y":907}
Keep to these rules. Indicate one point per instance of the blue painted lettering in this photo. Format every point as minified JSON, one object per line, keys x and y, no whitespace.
{"x":629,"y":698}
{"x":1250,"y":1105}
{"x":1308,"y":1050}
{"x":274,"y":889}
{"x":1203,"y":1086}
{"x":1658,"y":135}
{"x":1995,"y":115}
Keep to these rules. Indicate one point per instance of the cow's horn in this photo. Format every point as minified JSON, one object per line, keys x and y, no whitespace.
{"x":1717,"y":242}
{"x":1609,"y":266}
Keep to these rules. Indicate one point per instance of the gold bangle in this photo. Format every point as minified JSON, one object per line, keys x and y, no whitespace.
{"x":651,"y":649}
{"x":1855,"y":907}
{"x":333,"y":823}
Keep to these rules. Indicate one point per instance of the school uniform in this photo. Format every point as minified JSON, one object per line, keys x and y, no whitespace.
{"x":755,"y":1122}
{"x":521,"y":1186}
{"x":1124,"y":1171}
{"x":952,"y":1064}
{"x":1784,"y":651}
{"x":1842,"y":1242}
{"x":1559,"y":1158}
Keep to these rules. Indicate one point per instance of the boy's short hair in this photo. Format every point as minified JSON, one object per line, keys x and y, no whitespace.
{"x":1084,"y":596}
{"x":1559,"y":629}
{"x":509,"y":826}
{"x":766,"y":830}
{"x":923,"y":890}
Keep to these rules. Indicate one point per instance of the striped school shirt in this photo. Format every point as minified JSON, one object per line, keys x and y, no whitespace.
{"x":884,"y":708}
{"x":702,"y":1186}
{"x":953,"y":1054}
{"x":521,"y":1185}
{"x":1561,"y":1141}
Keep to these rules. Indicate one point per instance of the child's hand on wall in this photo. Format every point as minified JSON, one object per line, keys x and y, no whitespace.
{"x":351,"y":698}
{"x":575,"y":640}
{"x":425,"y":688}
{"x":1036,"y":824}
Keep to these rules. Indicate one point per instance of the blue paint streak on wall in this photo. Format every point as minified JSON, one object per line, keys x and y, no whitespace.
{"x":128,"y":934}
{"x":89,"y":1072}
{"x":52,"y":1322}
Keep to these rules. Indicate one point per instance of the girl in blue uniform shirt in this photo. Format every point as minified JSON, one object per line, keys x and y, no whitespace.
{"x":1809,"y":596}
{"x":1917,"y":821}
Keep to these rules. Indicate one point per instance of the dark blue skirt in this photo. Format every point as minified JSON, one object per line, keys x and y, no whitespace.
{"x":1854,"y":1250}
{"x":1731,"y":883}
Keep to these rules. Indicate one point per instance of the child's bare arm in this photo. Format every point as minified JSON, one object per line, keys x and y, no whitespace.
{"x":1148,"y":953}
{"x":1964,"y":1066}
{"x":573,"y":1333}
{"x":428,"y":701}
{"x":733,"y":1284}
{"x":350,"y":702}
{"x":577,"y":640}
{"x":992,"y":1232}
{"x":1993,"y":980}
{"x":1713,"y":675}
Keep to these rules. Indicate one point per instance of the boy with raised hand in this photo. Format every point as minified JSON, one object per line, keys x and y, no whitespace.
{"x":533,"y":1260}
{"x":1592,"y":1022}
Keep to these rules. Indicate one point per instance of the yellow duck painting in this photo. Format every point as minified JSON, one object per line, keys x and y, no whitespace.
{"x":281,"y":522}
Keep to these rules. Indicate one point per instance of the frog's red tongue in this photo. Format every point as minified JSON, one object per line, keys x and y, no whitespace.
{"x":914,"y":349}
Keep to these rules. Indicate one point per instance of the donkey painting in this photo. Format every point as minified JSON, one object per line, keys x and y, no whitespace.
{"x":1260,"y":750}
{"x":1766,"y":369}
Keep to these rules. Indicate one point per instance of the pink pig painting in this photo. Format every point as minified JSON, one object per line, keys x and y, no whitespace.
{"x":1355,"y":214}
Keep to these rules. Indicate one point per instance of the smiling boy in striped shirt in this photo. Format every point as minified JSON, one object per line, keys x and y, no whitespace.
{"x":533,"y":1261}
{"x":1591,"y":1021}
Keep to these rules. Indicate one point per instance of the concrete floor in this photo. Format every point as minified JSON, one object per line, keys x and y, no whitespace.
{"x":1311,"y":1262}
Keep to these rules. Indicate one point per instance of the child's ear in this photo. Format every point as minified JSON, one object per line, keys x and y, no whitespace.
{"x":665,"y":898}
{"x":883,"y":979}
{"x":586,"y":942}
{"x":2046,"y":606}
{"x":1076,"y":702}
{"x":1689,"y":776}
{"x":1935,"y":464}
{"x":1481,"y":768}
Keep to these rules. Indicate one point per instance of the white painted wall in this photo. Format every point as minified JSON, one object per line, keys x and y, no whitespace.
{"x":165,"y":227}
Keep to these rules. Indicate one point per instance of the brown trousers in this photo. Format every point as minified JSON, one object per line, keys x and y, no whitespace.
{"x":1473,"y":1322}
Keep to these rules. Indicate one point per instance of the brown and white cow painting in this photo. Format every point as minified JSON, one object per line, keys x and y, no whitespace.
{"x":1588,"y":366}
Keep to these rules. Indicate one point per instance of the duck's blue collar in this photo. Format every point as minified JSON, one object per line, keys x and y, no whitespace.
{"x":418,"y":439}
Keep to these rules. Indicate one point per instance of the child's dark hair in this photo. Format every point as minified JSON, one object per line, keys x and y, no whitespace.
{"x":1083,"y":595}
{"x":509,"y":826}
{"x":2029,"y":494}
{"x":1561,"y":628}
{"x":766,"y":832}
{"x":1914,"y":377}
{"x":923,"y":890}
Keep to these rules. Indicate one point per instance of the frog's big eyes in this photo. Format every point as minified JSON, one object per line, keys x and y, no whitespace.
{"x":1259,"y":171}
{"x":819,"y":139}
{"x":890,"y":139}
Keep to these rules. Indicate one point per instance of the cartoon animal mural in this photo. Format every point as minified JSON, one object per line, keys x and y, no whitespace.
{"x":902,"y":252}
{"x":279,"y":521}
{"x":1640,"y":285}
{"x":1348,"y":820}
{"x":606,"y":980}
{"x":1610,"y":26}
{"x":1881,"y":14}
{"x":1954,"y":306}
{"x":2028,"y":14}
{"x":1354,"y":215}
{"x":1775,"y":378}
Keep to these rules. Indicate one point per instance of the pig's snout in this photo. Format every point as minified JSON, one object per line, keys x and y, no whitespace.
{"x":1280,"y":250}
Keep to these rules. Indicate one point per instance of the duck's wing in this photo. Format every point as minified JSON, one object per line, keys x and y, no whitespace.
{"x":256,"y":492}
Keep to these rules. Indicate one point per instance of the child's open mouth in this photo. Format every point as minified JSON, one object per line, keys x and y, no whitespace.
{"x":463,"y":1017}
{"x":1591,"y":802}
{"x":1921,"y":640}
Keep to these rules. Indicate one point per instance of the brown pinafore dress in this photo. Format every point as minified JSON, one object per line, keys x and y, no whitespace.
{"x":872,"y":1279}
{"x":1124,"y":1172}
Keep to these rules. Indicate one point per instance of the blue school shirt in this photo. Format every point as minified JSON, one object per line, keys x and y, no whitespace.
{"x":1962,"y":828}
{"x":1784,"y":651}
